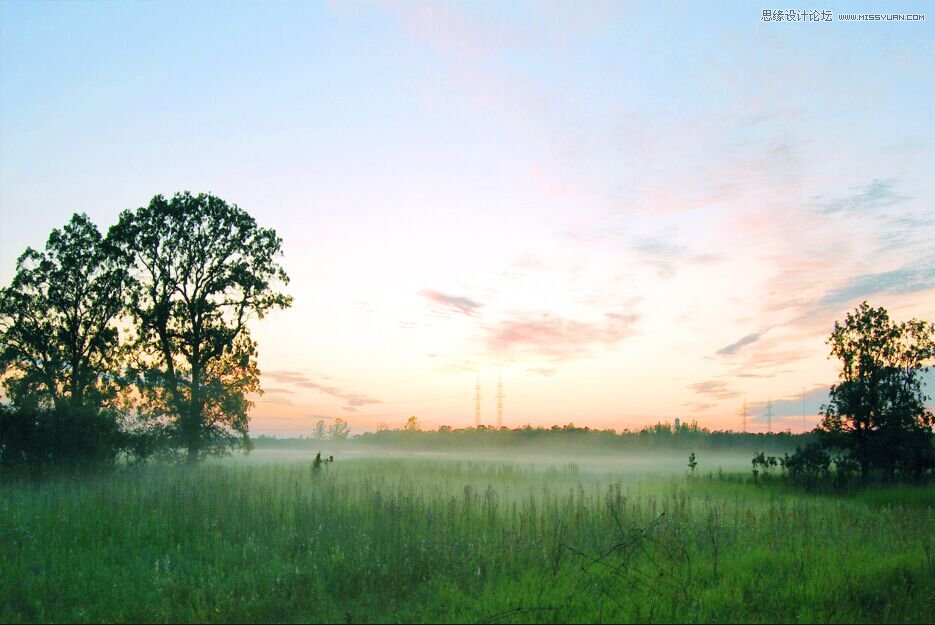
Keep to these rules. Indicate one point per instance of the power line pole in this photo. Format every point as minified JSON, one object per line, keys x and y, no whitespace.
{"x":500,"y":402}
{"x":477,"y":404}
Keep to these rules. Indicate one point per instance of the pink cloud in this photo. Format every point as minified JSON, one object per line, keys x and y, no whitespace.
{"x":554,"y":337}
{"x":455,"y":303}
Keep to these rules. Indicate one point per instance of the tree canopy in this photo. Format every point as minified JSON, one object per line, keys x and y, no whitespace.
{"x":137,"y":341}
{"x":198,"y":269}
{"x":877,"y":413}
{"x":58,"y":331}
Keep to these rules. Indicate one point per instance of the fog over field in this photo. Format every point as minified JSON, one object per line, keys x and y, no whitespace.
{"x":628,"y":464}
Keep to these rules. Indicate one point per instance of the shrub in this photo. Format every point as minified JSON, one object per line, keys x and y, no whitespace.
{"x":38,"y":440}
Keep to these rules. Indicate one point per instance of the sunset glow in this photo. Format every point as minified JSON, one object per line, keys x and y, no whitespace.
{"x":632,"y":212}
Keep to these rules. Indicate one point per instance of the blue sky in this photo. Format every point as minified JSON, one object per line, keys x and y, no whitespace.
{"x":630,"y":211}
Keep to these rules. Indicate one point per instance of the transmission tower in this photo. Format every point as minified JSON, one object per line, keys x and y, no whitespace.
{"x":769,"y":415}
{"x":500,"y":402}
{"x":743,"y":415}
{"x":477,"y":404}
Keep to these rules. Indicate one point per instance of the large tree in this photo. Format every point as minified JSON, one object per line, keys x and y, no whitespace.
{"x":877,"y":413}
{"x":58,"y":322}
{"x":199,"y":269}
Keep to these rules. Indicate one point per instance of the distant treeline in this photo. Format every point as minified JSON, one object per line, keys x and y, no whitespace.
{"x":659,"y":436}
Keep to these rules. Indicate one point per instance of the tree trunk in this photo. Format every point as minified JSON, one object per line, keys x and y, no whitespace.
{"x":193,"y":433}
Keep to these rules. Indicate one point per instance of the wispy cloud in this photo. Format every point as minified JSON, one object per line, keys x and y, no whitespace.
{"x":285,"y":377}
{"x":542,"y":371}
{"x":274,"y":401}
{"x":554,"y":337}
{"x":878,"y":194}
{"x":772,"y":359}
{"x":667,"y":256}
{"x":714,"y":388}
{"x":352,"y":400}
{"x":900,"y":232}
{"x":905,"y":280}
{"x":455,"y":303}
{"x":697,"y":406}
{"x":733,"y":348}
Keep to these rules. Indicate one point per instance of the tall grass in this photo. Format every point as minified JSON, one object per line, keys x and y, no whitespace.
{"x":434,"y":540}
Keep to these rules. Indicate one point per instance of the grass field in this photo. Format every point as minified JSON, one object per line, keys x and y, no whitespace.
{"x":441,"y":539}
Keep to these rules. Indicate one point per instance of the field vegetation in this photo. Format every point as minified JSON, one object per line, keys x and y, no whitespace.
{"x":447,"y":539}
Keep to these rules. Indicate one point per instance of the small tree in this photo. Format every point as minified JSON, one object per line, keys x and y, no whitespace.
{"x":199,"y":269}
{"x":412,"y":424}
{"x":692,"y":463}
{"x":876,"y":414}
{"x":339,"y":430}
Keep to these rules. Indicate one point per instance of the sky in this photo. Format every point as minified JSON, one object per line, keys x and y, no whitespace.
{"x":628,"y":212}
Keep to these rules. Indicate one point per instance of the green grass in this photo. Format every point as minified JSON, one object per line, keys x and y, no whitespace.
{"x":397,"y":540}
